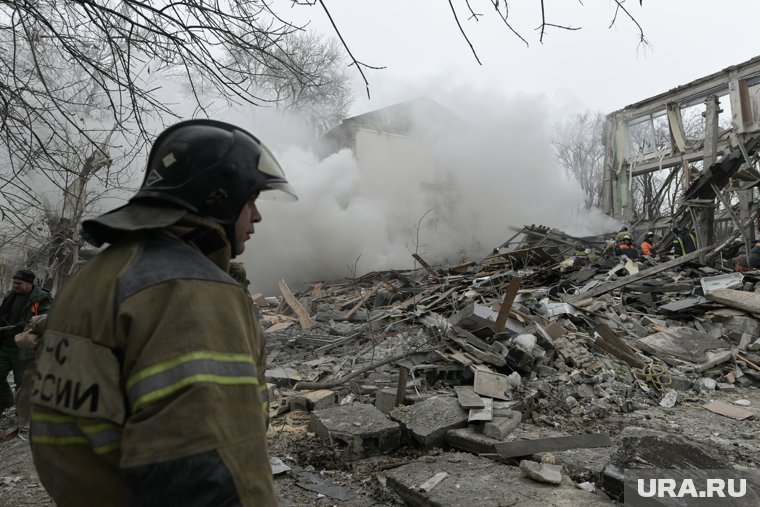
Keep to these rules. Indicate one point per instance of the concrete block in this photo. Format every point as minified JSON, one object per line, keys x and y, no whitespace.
{"x":385,"y":400}
{"x":309,"y":401}
{"x":542,"y":472}
{"x":646,"y":448}
{"x":473,"y":480}
{"x":427,"y":422}
{"x":500,"y":427}
{"x":470,"y":440}
{"x":283,"y":377}
{"x":360,"y":430}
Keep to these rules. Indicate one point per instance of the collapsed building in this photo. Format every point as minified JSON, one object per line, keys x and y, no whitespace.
{"x":714,"y":162}
{"x":545,"y":371}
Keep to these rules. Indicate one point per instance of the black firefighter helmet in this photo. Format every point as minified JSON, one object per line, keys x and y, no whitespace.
{"x":207,"y":167}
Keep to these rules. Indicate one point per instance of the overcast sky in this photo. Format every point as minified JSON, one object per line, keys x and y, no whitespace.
{"x":596,"y":67}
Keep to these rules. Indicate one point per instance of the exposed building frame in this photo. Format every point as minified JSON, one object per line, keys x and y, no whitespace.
{"x":632,"y":149}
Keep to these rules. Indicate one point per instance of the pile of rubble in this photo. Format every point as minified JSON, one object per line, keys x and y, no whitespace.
{"x":543,"y":331}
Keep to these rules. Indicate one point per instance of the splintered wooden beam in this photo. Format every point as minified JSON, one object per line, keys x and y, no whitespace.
{"x":362,"y":300}
{"x":626,"y":280}
{"x":303,"y":317}
{"x":506,"y":305}
{"x":425,"y":265}
{"x":612,"y":343}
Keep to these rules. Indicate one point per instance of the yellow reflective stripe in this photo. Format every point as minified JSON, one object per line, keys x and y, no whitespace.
{"x":105,"y":449}
{"x":193,"y":356}
{"x":96,"y":428}
{"x":44,"y":439}
{"x":54,"y":429}
{"x":48,"y":417}
{"x":213,"y":379}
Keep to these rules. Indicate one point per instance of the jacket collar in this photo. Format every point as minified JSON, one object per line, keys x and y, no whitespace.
{"x":205,"y":236}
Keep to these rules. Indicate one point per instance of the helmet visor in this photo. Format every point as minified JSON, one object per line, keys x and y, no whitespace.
{"x":275,"y":178}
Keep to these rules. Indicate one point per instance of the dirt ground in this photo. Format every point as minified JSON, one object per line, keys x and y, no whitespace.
{"x":362,"y":479}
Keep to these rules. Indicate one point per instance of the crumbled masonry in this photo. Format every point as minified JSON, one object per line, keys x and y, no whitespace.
{"x":536,"y":362}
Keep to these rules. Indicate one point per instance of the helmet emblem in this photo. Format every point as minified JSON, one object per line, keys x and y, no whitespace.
{"x":168,"y":160}
{"x":153,"y":178}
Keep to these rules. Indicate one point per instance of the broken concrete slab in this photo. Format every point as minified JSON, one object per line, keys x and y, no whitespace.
{"x":385,"y":400}
{"x":470,"y":440}
{"x":745,"y":301}
{"x":499,"y":427}
{"x":646,"y":448}
{"x":580,"y":464}
{"x":473,"y":480}
{"x":309,"y":401}
{"x":542,"y":472}
{"x":428,"y":421}
{"x":468,"y":398}
{"x":492,"y":385}
{"x":725,"y":281}
{"x":283,"y":377}
{"x":529,"y":447}
{"x":682,"y":343}
{"x":482,"y":414}
{"x":361,"y":430}
{"x":684,"y":304}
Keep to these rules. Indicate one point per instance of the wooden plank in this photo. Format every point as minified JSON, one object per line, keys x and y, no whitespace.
{"x":748,"y":362}
{"x":403,"y":376}
{"x":277,"y":327}
{"x":529,"y":447}
{"x":467,"y":397}
{"x":440,"y":298}
{"x":728,"y":410}
{"x":363,"y":300}
{"x":607,"y":287}
{"x":339,"y":341}
{"x":317,"y":291}
{"x":425,"y":265}
{"x":612,"y":343}
{"x":303,"y":317}
{"x":739,"y":299}
{"x":506,"y":305}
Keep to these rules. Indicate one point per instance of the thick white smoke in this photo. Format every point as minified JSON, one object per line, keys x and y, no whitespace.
{"x":465,"y":189}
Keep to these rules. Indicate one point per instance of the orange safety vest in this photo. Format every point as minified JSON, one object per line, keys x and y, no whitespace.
{"x":647,"y":248}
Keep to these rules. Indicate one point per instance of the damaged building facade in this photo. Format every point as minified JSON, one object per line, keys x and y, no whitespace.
{"x":714,"y":160}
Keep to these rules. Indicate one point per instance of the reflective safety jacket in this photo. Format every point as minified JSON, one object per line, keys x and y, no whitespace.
{"x":627,"y":250}
{"x":149,"y":391}
{"x":684,"y":244}
{"x":648,"y":248}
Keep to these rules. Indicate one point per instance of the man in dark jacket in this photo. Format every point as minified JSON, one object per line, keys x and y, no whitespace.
{"x":754,"y":256}
{"x":18,"y":307}
{"x":627,"y":248}
{"x":150,"y":387}
{"x":684,"y":243}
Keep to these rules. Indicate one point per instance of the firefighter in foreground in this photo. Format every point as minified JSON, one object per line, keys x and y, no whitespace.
{"x":150,"y":381}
